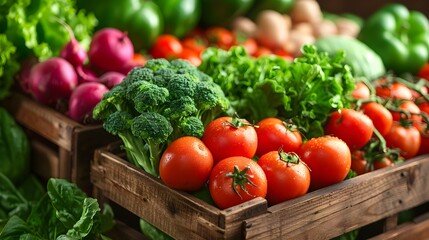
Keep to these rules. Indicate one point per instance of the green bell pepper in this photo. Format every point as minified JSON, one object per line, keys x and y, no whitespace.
{"x":399,"y":36}
{"x":281,"y":6}
{"x":142,"y":20}
{"x":222,"y":12}
{"x":180,"y":16}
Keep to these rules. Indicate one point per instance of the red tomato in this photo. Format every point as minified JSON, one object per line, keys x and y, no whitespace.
{"x":283,"y":53}
{"x":228,"y":137}
{"x":139,"y":59}
{"x":287,"y":176}
{"x":191,"y":56}
{"x":197,"y":44}
{"x":424,"y":140}
{"x":250,"y":45}
{"x":273,"y":134}
{"x":382,"y":163}
{"x":394,"y":90}
{"x":328,"y":159}
{"x":186,"y":164}
{"x":380,"y":116}
{"x":424,"y":71}
{"x":353,"y":127}
{"x":361,"y":91}
{"x":220,"y":37}
{"x":408,"y":106}
{"x":359,"y":164}
{"x":406,"y":139}
{"x":424,"y":107}
{"x":235,"y":180}
{"x":166,"y":46}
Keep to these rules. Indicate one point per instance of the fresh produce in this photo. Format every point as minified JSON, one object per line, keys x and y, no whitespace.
{"x":64,"y":212}
{"x":351,"y":126}
{"x":362,"y":59}
{"x":166,"y":46}
{"x":142,"y":20}
{"x":274,"y":134}
{"x":73,"y":51}
{"x":34,"y":30}
{"x":156,"y":104}
{"x":52,"y":81}
{"x":271,"y":29}
{"x":392,"y":90}
{"x":236,"y":180}
{"x":179,"y":17}
{"x":18,"y":199}
{"x":230,"y":136}
{"x":14,"y":148}
{"x":405,"y":137}
{"x":111,"y":79}
{"x":399,"y":36}
{"x":186,"y":164}
{"x":287,"y":176}
{"x":110,"y":49}
{"x":305,"y":90}
{"x":83,"y":100}
{"x":221,"y":13}
{"x":328,"y":158}
{"x":380,"y":116}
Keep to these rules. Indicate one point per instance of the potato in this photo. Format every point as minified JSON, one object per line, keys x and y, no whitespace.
{"x":244,"y":26}
{"x":347,"y":27}
{"x":325,"y":28}
{"x":272,"y":29}
{"x":306,"y":11}
{"x":296,"y":40}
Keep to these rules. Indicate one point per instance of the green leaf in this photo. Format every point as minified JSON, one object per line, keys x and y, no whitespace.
{"x":84,"y":225}
{"x":16,"y":228}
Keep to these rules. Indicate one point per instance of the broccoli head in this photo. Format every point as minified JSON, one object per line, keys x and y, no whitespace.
{"x":156,"y":104}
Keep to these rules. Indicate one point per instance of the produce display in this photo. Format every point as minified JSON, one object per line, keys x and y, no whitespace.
{"x":227,"y":101}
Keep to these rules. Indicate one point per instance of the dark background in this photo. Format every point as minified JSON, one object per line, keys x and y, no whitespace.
{"x":366,"y":8}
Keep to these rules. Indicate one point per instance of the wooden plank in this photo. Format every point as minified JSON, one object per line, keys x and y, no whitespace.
{"x":418,"y":229}
{"x":44,"y":160}
{"x":65,"y":162}
{"x":84,"y":142}
{"x":41,"y":119}
{"x":176,"y":213}
{"x":345,"y":206}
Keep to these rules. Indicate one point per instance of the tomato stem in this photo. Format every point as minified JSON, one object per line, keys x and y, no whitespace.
{"x":240,"y":178}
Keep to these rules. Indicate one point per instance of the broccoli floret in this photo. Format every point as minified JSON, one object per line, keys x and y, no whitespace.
{"x":157,"y":104}
{"x":147,"y":96}
{"x":192,"y":126}
{"x":181,"y":107}
{"x":138,"y":74}
{"x":157,"y":63}
{"x":181,"y":85}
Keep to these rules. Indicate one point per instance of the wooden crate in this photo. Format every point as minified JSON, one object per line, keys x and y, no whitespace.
{"x":70,"y":144}
{"x":321,"y":214}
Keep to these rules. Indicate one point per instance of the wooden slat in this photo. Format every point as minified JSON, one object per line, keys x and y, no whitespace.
{"x":418,"y":229}
{"x":176,"y":213}
{"x":44,"y":160}
{"x":346,"y":206}
{"x":41,"y":119}
{"x":123,"y":232}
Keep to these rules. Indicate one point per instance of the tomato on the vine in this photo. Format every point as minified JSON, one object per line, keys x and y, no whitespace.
{"x":236,"y":180}
{"x":166,"y":46}
{"x":287,"y":176}
{"x":380,"y":116}
{"x":197,"y":44}
{"x":409,"y":107}
{"x":405,"y":138}
{"x":220,"y":37}
{"x":191,"y":56}
{"x":230,"y":136}
{"x":328,"y":158}
{"x":395,"y":90}
{"x":351,"y":126}
{"x":359,"y":164}
{"x":273,"y":133}
{"x":382,"y":163}
{"x":424,"y":139}
{"x":186,"y":164}
{"x":361,"y":91}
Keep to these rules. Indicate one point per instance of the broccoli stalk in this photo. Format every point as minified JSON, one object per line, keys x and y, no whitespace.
{"x":156,"y":104}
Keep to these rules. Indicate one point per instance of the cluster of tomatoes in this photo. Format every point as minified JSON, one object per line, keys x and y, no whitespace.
{"x":394,"y":127}
{"x":224,"y":158}
{"x":239,"y":161}
{"x":191,"y":47}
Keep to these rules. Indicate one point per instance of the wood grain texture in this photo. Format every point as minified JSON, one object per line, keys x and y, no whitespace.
{"x":346,"y":206}
{"x":176,"y":213}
